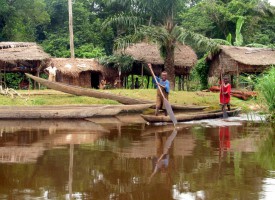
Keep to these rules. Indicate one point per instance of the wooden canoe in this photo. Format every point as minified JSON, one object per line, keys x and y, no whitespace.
{"x":190,"y":116}
{"x":68,"y":112}
{"x":75,"y":90}
{"x":55,"y":112}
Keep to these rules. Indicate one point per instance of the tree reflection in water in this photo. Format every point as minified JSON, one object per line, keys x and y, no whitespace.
{"x":203,"y":163}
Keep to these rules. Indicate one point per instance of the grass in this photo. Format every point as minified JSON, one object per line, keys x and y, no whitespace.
{"x":51,"y":97}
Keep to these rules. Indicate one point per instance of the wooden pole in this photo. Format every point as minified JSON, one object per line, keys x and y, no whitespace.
{"x":238,"y":75}
{"x":71,"y":28}
{"x":142,"y":75}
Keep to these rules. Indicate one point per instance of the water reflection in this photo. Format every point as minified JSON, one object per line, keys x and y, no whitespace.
{"x":161,"y":160}
{"x":87,"y":160}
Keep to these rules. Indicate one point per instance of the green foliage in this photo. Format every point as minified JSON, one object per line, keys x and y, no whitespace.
{"x":125,"y":63}
{"x":13,"y":80}
{"x":20,"y":20}
{"x":229,"y":38}
{"x":202,"y":69}
{"x":266,"y":86}
{"x":216,"y":19}
{"x":89,"y":51}
{"x":239,"y":37}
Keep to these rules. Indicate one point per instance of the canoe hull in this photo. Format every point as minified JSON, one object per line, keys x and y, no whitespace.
{"x":75,"y":90}
{"x":190,"y":117}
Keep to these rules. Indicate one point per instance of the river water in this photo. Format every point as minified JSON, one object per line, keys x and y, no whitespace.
{"x":124,"y":158}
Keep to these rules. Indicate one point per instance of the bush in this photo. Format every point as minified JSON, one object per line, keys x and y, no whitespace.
{"x":13,"y":80}
{"x":202,"y":69}
{"x":266,"y":86}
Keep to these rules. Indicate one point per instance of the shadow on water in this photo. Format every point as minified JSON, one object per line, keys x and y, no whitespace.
{"x":120,"y":159}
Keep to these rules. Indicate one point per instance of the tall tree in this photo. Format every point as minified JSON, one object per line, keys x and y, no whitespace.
{"x":20,"y":21}
{"x":155,"y":21}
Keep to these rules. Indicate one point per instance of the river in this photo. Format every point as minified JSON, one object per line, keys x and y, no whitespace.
{"x":124,"y":158}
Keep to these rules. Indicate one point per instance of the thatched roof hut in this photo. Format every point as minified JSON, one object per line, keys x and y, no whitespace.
{"x":185,"y":57}
{"x":21,"y":56}
{"x":236,"y":60}
{"x":82,"y":72}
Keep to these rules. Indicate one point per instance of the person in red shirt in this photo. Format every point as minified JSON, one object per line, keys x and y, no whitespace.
{"x":225,"y":93}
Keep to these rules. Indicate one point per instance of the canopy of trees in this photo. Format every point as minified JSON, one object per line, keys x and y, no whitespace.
{"x":99,"y":25}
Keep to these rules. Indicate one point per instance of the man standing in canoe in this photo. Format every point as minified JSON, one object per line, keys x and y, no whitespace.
{"x":225,"y":93}
{"x":165,"y":87}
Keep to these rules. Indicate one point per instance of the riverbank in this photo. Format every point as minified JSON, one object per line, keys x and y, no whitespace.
{"x":52,"y":97}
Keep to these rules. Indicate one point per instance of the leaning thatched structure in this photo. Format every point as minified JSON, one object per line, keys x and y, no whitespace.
{"x":21,"y":57}
{"x":185,"y":57}
{"x":83,"y":72}
{"x":237,"y":60}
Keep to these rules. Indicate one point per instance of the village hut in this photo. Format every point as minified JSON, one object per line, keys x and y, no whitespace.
{"x":23,"y":57}
{"x":83,"y":72}
{"x":234,"y":61}
{"x":143,"y":53}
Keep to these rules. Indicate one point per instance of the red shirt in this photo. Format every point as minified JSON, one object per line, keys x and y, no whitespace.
{"x":225,"y":98}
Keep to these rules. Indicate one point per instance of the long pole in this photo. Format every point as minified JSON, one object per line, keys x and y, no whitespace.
{"x":167,"y":105}
{"x":71,"y":28}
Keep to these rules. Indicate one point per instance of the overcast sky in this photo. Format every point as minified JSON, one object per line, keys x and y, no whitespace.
{"x":272,"y":2}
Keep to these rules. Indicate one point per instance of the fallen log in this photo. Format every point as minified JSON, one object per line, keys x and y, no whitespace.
{"x":244,"y":95}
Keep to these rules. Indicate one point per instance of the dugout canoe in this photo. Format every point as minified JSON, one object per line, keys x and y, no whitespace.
{"x":190,"y":116}
{"x":55,"y":112}
{"x":75,"y":90}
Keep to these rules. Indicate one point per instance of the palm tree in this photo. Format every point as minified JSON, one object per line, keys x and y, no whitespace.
{"x":154,"y":21}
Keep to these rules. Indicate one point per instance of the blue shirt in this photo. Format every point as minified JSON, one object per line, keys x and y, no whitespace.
{"x":165,"y":84}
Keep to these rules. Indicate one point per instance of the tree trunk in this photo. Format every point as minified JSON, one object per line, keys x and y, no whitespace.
{"x":169,"y":65}
{"x":71,"y":28}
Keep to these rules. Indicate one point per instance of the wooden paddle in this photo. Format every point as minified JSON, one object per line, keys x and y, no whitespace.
{"x":167,"y":105}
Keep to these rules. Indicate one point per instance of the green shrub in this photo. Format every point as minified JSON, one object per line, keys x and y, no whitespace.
{"x":266,"y":86}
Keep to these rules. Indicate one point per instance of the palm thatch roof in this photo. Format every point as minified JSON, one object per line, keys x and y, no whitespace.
{"x":13,"y":52}
{"x":149,"y":53}
{"x":248,"y":55}
{"x":73,"y":67}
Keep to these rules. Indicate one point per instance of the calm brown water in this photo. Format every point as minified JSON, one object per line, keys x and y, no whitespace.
{"x":113,"y":160}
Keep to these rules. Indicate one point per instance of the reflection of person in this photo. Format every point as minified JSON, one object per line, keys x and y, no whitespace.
{"x":102,"y":84}
{"x":161,"y":160}
{"x":224,"y":138}
{"x":225,"y":93}
{"x":165,"y":88}
{"x":137,"y":83}
{"x":51,"y":71}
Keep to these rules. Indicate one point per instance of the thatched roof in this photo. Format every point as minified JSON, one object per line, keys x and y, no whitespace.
{"x":149,"y":53}
{"x":73,"y":67}
{"x":249,"y":56}
{"x":21,"y":51}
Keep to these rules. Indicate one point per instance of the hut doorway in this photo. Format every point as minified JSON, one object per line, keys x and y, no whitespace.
{"x":95,"y":78}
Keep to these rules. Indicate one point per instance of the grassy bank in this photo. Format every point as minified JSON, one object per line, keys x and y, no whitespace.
{"x":51,"y":97}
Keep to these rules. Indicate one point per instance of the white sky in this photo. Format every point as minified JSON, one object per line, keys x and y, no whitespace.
{"x":272,"y":2}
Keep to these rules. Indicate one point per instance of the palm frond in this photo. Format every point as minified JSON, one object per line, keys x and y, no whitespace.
{"x":123,"y":20}
{"x":182,"y":35}
{"x":150,"y":33}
